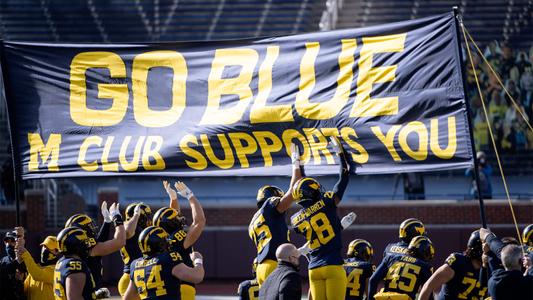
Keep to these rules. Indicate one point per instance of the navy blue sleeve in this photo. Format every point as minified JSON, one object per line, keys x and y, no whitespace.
{"x":344,"y":176}
{"x":377,"y":277}
{"x":103,"y":234}
{"x":483,"y":276}
{"x":495,"y":245}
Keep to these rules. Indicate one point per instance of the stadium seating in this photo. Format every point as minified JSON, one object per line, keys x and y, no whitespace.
{"x":140,"y":21}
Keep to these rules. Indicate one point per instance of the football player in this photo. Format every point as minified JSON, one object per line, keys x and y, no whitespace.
{"x":409,"y":229}
{"x":461,"y":277}
{"x":158,"y":273}
{"x":72,"y":277}
{"x":403,"y":274}
{"x":138,"y":217}
{"x":319,"y":222}
{"x":358,"y":266}
{"x":268,"y":229}
{"x":249,"y":289}
{"x":173,"y":223}
{"x":99,"y":245}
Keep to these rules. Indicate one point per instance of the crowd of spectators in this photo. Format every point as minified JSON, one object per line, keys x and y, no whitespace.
{"x":515,"y":69}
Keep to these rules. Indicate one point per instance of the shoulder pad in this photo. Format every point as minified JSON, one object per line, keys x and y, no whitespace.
{"x":451,"y":259}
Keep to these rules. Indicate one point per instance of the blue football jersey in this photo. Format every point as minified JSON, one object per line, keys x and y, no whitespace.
{"x":66,"y":266}
{"x":268,"y":230}
{"x":319,"y":223}
{"x":153,"y":279}
{"x":131,"y":250}
{"x":248,"y":290}
{"x":358,"y":272}
{"x":403,"y":274}
{"x":396,"y":248}
{"x":465,"y":283}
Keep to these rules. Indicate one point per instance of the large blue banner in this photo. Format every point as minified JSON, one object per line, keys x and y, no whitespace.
{"x":393,"y":94}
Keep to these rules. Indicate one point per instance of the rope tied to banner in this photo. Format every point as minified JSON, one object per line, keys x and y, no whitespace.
{"x":492,"y":135}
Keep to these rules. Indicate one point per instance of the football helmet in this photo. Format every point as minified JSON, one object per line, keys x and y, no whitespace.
{"x":84,"y":222}
{"x":169,"y":219}
{"x":527,"y":235}
{"x":145,"y":219}
{"x":474,"y":245}
{"x":153,"y":240}
{"x":411,"y":228}
{"x":305,"y":189}
{"x":422,"y":248}
{"x":266,"y":192}
{"x":73,"y":241}
{"x":361,"y":249}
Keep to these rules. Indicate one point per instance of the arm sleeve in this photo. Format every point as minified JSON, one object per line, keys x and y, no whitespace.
{"x":43,"y":274}
{"x":290,"y":287}
{"x":494,"y":263}
{"x":495,"y":245}
{"x":344,"y":176}
{"x":103,"y":234}
{"x":378,"y":275}
{"x":483,"y":276}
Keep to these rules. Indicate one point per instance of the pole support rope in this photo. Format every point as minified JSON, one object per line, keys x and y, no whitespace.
{"x":492,"y":136}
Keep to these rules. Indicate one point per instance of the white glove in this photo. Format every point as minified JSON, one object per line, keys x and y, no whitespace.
{"x":295,"y":156}
{"x":105,"y":213}
{"x":335,"y":145}
{"x":183,"y":190}
{"x":348,"y":220}
{"x":170,"y":191}
{"x":114,"y":210}
{"x":137,"y":210}
{"x":304,"y":250}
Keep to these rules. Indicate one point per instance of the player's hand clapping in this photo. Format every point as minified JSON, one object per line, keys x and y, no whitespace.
{"x":170,"y":191}
{"x":183,"y":190}
{"x":105,"y":213}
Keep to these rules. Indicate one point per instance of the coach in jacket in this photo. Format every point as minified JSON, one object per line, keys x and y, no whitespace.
{"x":284,"y":282}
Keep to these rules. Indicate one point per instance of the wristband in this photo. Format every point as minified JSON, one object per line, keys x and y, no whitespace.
{"x":117,"y":220}
{"x":198,"y":261}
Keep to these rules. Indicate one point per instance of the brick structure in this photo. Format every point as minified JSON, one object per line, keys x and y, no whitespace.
{"x":393,"y":212}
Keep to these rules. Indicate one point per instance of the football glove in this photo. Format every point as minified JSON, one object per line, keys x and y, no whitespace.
{"x":183,"y":190}
{"x":348,"y":220}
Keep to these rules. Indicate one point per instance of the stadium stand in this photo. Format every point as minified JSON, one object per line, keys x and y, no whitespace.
{"x":228,"y":201}
{"x":140,"y":21}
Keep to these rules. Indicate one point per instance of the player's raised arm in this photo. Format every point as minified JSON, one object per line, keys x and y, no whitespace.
{"x":119,"y":239}
{"x":131,"y":225}
{"x":443,"y":274}
{"x":198,"y":217}
{"x":297,"y":173}
{"x":344,"y":172}
{"x":173,"y":197}
{"x":193,"y":275}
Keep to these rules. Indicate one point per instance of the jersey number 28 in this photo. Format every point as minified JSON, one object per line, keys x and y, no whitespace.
{"x":320,"y":225}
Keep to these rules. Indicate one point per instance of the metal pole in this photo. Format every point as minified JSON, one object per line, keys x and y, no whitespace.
{"x":469,"y":116}
{"x":16,"y":174}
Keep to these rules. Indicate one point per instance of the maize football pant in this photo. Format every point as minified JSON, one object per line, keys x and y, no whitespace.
{"x":328,"y":283}
{"x":264,"y":269}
